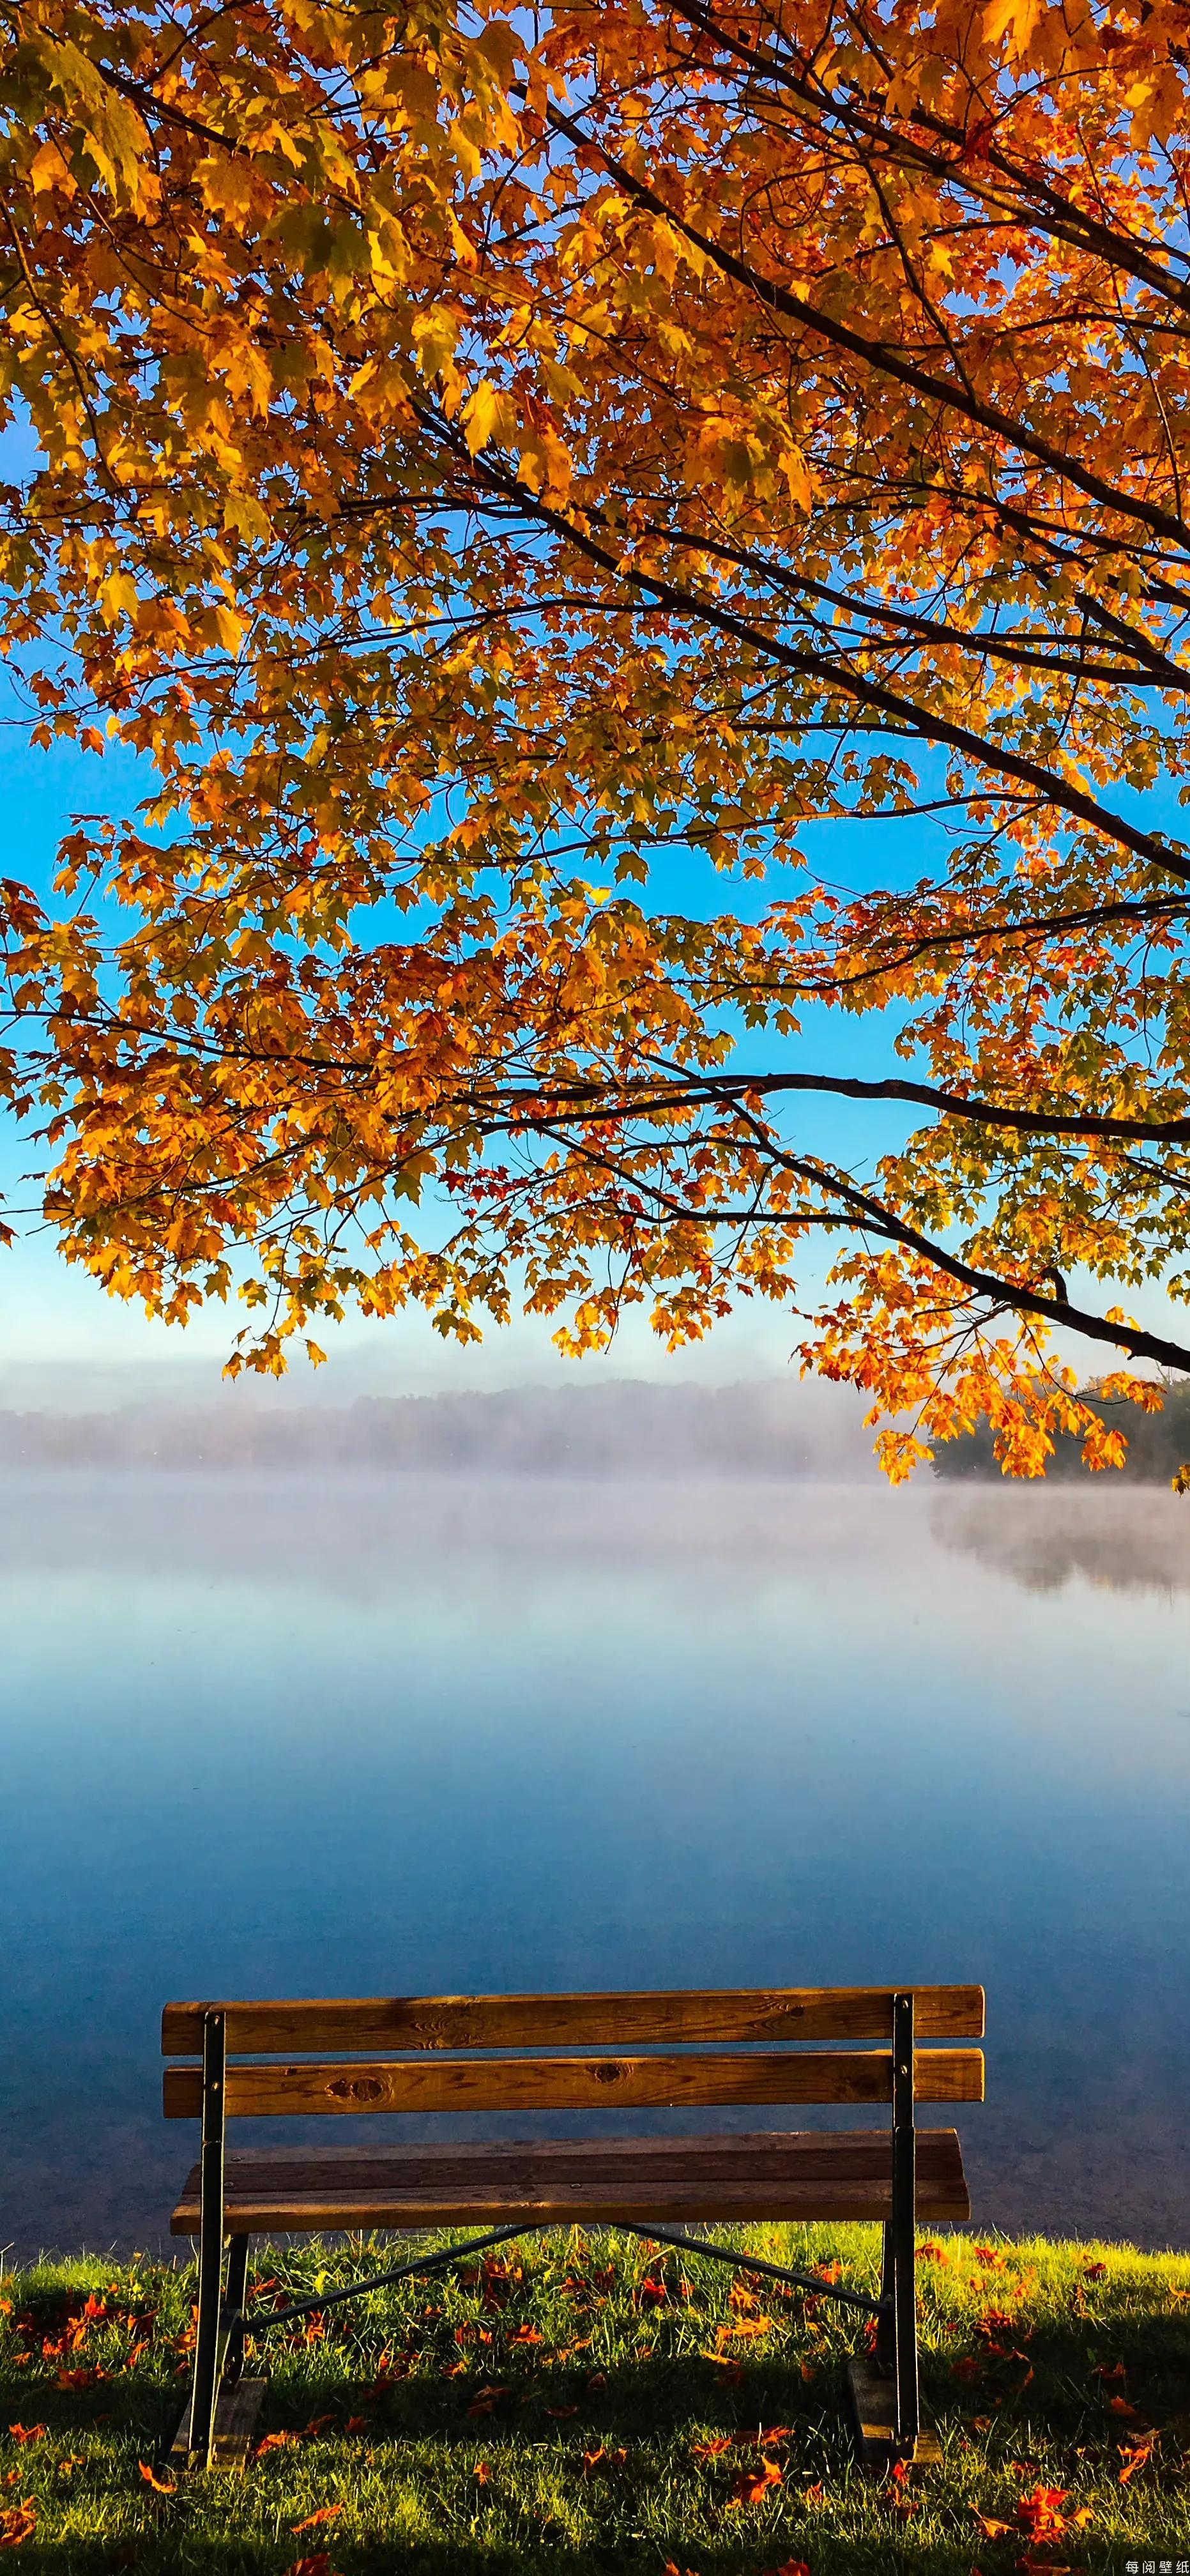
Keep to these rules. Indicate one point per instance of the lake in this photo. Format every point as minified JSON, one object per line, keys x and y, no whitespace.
{"x":368,"y":1734}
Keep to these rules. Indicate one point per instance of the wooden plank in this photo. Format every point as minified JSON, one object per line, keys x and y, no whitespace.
{"x":237,"y":2410}
{"x":747,"y":2015}
{"x":799,"y":2175}
{"x":873,"y":2401}
{"x":426,"y":2084}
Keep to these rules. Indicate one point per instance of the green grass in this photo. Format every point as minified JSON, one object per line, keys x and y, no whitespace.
{"x":554,"y":2412}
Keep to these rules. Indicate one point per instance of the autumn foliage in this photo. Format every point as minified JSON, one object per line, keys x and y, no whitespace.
{"x":644,"y":551}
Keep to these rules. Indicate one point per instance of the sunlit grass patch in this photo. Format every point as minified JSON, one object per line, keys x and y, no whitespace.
{"x":589,"y":2403}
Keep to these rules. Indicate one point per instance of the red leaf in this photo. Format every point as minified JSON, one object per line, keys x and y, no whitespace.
{"x":325,"y":2513}
{"x":755,"y":2483}
{"x":17,"y":2524}
{"x":28,"y":2432}
{"x":1136,"y":2457}
{"x":160,"y":2486}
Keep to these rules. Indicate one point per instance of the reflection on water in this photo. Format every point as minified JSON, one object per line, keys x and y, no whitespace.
{"x":1128,"y":1538}
{"x":361,"y":1734}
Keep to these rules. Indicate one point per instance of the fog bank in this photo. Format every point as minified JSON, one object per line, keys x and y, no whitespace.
{"x":779,"y":1428}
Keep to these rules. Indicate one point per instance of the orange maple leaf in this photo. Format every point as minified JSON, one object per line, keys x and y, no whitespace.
{"x":160,"y":2486}
{"x":754,"y":2485}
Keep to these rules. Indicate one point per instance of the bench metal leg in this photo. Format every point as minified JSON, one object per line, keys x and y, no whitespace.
{"x":884,"y":2388}
{"x":210,"y":2241}
{"x":237,"y":2275}
{"x":901,"y":2229}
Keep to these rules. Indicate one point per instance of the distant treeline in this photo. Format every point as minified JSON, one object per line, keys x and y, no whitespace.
{"x":769,"y":1429}
{"x":1158,"y":1443}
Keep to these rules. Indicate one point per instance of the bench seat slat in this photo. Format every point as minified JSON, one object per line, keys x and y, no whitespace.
{"x":744,"y":2016}
{"x":817,"y":2174}
{"x":427,"y":2084}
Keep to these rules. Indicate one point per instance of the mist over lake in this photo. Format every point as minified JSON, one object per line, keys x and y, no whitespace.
{"x":357,"y":1732}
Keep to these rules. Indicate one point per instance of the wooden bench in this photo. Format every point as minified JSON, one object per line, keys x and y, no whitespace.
{"x":485,"y":2053}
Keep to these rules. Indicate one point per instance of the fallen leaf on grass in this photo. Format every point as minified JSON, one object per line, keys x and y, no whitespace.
{"x":991,"y":2529}
{"x":932,"y":2253}
{"x":1120,"y":2406}
{"x":1137,"y":2456}
{"x":1094,"y":2271}
{"x":483,"y":2404}
{"x":603,"y":2459}
{"x":526,"y":2334}
{"x":356,"y":2424}
{"x":319,"y":2565}
{"x":17,"y":2524}
{"x":482,"y":2472}
{"x":815,"y":2494}
{"x":996,"y":2321}
{"x":28,"y":2432}
{"x":755,"y":2483}
{"x":1041,"y":2515}
{"x":160,"y":2486}
{"x":276,"y":2442}
{"x":325,"y":2513}
{"x":991,"y":2261}
{"x":559,"y":2412}
{"x":78,"y":2378}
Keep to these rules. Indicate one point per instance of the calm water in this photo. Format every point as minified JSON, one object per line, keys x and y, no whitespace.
{"x":366,"y":1735}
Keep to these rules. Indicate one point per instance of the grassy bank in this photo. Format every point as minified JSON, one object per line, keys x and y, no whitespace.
{"x":584,"y":2403}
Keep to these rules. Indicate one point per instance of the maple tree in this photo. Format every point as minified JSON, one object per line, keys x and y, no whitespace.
{"x":549,"y":495}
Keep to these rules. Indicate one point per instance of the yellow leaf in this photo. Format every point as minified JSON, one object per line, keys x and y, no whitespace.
{"x":489,"y":414}
{"x":434,"y":336}
{"x":1017,"y":19}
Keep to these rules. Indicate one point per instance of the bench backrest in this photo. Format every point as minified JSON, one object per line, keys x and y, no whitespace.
{"x":509,"y":2052}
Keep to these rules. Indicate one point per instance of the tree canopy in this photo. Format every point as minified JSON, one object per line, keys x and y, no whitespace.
{"x":551,"y":497}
